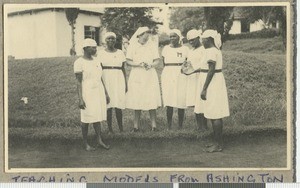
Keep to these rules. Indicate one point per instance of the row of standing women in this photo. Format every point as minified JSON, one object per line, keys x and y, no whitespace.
{"x":191,"y":77}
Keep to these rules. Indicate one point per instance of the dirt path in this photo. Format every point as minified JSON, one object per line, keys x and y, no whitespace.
{"x":243,"y":151}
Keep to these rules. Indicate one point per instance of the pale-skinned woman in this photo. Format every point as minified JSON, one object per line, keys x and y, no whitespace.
{"x":143,"y":86}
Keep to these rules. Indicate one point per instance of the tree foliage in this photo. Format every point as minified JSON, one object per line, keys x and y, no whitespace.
{"x":71,"y":15}
{"x":124,"y":21}
{"x":219,"y":18}
{"x":187,"y":18}
{"x":269,"y":15}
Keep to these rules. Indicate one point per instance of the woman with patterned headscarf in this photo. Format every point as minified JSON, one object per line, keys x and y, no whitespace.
{"x":173,"y":82}
{"x":114,"y":76}
{"x":143,"y":86}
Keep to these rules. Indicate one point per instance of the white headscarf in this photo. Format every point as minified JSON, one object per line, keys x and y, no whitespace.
{"x":215,"y":35}
{"x":177,"y":32}
{"x":193,"y":34}
{"x":134,"y":39}
{"x":110,"y":34}
{"x":89,"y":42}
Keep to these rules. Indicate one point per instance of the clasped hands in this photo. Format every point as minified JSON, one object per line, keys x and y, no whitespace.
{"x":145,"y":65}
{"x":187,"y":68}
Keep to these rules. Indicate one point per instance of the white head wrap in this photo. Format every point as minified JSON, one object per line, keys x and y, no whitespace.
{"x":110,"y":34}
{"x":215,"y":35}
{"x":193,"y":34}
{"x":139,"y":31}
{"x":89,"y":42}
{"x":177,"y":32}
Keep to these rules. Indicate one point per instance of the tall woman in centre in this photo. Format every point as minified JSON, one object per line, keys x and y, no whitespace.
{"x":172,"y":80}
{"x":143,"y":86}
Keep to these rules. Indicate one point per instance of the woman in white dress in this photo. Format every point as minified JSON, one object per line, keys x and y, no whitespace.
{"x":195,"y":57}
{"x":114,"y":77}
{"x":143,"y":86}
{"x":172,"y":80}
{"x":91,"y":91}
{"x":212,"y":99}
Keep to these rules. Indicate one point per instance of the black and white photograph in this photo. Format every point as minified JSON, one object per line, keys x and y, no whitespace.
{"x":147,"y":86}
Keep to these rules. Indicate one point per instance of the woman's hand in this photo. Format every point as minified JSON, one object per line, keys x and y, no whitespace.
{"x":81,"y":104}
{"x":148,"y":66}
{"x":203,"y":94}
{"x":142,"y":64}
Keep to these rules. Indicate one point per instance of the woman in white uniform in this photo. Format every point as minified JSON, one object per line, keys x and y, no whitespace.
{"x":195,"y":57}
{"x":172,"y":80}
{"x":91,"y":91}
{"x":212,"y":99}
{"x":143,"y":86}
{"x":114,"y":77}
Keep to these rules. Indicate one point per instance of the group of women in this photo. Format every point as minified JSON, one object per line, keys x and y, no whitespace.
{"x":190,"y":78}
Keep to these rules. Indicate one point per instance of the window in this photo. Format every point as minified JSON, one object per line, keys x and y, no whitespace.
{"x":92,"y":32}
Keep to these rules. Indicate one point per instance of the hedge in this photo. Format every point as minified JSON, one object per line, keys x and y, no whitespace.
{"x":264,"y":33}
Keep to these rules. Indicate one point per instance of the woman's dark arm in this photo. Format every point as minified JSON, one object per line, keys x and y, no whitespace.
{"x":106,"y":93}
{"x":79,"y":90}
{"x":163,"y":60}
{"x":210,"y":74}
{"x":125,"y":78}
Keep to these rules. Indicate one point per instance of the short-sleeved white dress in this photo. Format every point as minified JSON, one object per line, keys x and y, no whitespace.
{"x":173,"y":82}
{"x":92,"y":90}
{"x":143,"y":85}
{"x":113,"y":77}
{"x":216,"y":104}
{"x":195,"y":56}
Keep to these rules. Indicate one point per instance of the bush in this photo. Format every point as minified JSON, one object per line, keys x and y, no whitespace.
{"x":265,"y":33}
{"x":164,"y":39}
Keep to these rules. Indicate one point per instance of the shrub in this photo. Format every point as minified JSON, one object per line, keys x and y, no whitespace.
{"x":164,"y":39}
{"x":264,"y":33}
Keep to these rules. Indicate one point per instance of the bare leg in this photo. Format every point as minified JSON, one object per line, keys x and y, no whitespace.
{"x":218,"y":135}
{"x":119,"y":116}
{"x":85,"y":129}
{"x":180,"y":117}
{"x":198,"y":121}
{"x":98,"y":133}
{"x":137,"y":119}
{"x":153,"y":119}
{"x":201,"y":122}
{"x":109,"y":119}
{"x":169,"y":116}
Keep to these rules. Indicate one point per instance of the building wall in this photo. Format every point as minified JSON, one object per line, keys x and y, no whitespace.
{"x":32,"y":35}
{"x":256,"y":26}
{"x":236,"y":27}
{"x":84,"y":20}
{"x":63,"y":34}
{"x":46,"y":34}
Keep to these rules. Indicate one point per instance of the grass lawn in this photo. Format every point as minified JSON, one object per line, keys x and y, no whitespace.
{"x":181,"y":152}
{"x":255,"y":73}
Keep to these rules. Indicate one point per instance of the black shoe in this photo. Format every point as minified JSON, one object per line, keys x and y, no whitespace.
{"x":135,"y":130}
{"x":154,"y":129}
